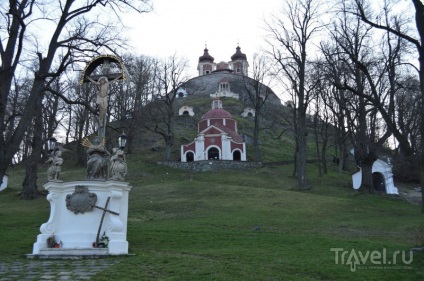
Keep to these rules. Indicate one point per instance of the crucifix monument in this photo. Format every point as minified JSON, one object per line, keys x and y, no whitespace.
{"x":76,"y":218}
{"x":102,"y":71}
{"x":111,"y":69}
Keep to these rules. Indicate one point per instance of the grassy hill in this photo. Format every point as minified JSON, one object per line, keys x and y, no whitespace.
{"x":247,"y":225}
{"x":273,"y":147}
{"x":244,"y":225}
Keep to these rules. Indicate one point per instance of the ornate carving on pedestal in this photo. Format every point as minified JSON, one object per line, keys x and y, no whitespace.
{"x":81,"y":200}
{"x":47,"y":228}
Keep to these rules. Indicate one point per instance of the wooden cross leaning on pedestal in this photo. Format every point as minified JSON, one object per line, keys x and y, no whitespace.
{"x":105,"y":210}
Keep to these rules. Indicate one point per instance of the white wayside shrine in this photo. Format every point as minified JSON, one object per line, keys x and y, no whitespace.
{"x":88,"y":218}
{"x":77,"y":220}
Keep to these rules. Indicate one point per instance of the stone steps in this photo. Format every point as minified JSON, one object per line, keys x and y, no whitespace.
{"x":70,"y":253}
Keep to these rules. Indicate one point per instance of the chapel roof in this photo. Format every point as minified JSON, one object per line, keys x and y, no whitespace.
{"x":206,"y":56}
{"x":238,"y":55}
{"x":217,"y":113}
{"x":236,"y":137}
{"x":223,"y":67}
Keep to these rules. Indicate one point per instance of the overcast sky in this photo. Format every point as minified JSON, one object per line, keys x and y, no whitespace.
{"x":183,"y":27}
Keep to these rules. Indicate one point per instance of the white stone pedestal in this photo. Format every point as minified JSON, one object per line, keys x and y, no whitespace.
{"x":79,"y":231}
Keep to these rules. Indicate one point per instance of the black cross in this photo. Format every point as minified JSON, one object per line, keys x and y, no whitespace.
{"x":103,"y":216}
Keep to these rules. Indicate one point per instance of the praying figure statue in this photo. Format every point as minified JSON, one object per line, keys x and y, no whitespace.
{"x":118,"y":165}
{"x":55,"y":161}
{"x":97,"y":163}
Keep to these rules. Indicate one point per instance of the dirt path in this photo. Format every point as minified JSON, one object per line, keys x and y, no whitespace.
{"x":410,"y":193}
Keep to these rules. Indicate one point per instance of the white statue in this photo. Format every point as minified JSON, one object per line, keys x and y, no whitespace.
{"x":55,"y":161}
{"x":118,"y":165}
{"x":97,"y":158}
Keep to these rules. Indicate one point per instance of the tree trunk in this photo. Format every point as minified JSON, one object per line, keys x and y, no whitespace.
{"x":80,"y":149}
{"x":168,"y":152}
{"x":295,"y":158}
{"x":301,"y":154}
{"x":324,"y":158}
{"x":367,"y":183}
{"x":345,"y":165}
{"x":29,"y":185}
{"x":317,"y":144}
{"x":68,"y":130}
{"x":51,"y":120}
{"x":130,"y":143}
{"x":169,"y":141}
{"x":258,"y":156}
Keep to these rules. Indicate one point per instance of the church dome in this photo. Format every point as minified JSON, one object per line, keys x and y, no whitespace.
{"x":217,"y":113}
{"x":238,"y":55}
{"x":206,"y":56}
{"x":223,"y":67}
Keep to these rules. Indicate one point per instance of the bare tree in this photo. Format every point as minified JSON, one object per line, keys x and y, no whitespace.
{"x":290,"y":38}
{"x":352,"y":39}
{"x":73,"y":37}
{"x":382,"y":74}
{"x":159,"y":114}
{"x":408,"y":119}
{"x":138,"y":94}
{"x":257,"y":93}
{"x":364,"y":14}
{"x":322,"y":118}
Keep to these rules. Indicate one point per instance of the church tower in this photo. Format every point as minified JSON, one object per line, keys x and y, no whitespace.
{"x":206,"y":64}
{"x":239,"y":63}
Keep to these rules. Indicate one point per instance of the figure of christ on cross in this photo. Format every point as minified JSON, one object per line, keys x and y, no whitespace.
{"x":102,"y":100}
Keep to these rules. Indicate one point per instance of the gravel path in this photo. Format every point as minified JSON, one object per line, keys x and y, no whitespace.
{"x":42,"y":270}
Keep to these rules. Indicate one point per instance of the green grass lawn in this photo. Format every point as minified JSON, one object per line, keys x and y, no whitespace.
{"x":236,"y":225}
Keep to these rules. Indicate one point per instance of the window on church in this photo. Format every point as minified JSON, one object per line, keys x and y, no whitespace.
{"x":224,"y":87}
{"x":216,"y":104}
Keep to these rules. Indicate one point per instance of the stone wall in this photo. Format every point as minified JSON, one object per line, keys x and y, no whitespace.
{"x":211,"y":165}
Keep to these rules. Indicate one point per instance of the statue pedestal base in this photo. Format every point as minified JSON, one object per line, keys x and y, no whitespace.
{"x":75,"y":233}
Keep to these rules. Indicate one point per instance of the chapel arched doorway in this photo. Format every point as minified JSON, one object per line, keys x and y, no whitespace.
{"x":190,"y":156}
{"x":237,"y":155}
{"x":379,"y":182}
{"x":213,"y":153}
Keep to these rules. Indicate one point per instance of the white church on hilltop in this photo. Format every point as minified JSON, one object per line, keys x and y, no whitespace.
{"x":217,"y":134}
{"x":217,"y":138}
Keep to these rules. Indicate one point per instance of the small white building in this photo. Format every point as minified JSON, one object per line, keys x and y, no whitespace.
{"x":186,"y":111}
{"x":3,"y":186}
{"x":248,"y":112}
{"x":181,"y":93}
{"x":382,"y":178}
